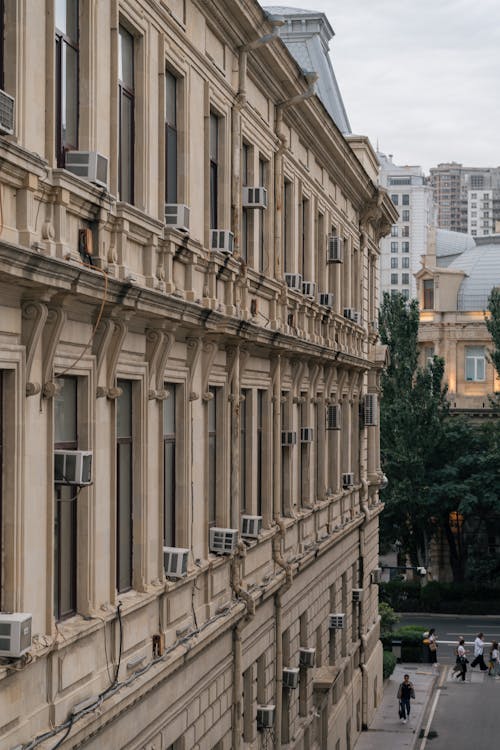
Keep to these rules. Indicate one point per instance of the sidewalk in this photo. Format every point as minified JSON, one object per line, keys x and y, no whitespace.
{"x":386,"y":732}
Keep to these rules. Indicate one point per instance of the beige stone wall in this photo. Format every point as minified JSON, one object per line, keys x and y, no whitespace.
{"x":156,"y":306}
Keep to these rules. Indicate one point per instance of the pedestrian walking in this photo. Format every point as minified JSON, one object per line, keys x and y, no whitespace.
{"x":433,"y":647}
{"x":493,"y":664}
{"x":462,"y":661}
{"x":406,"y":692}
{"x":478,"y":653}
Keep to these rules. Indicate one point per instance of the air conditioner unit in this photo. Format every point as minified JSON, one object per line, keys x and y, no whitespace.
{"x":254,"y":197}
{"x":7,"y":103}
{"x":335,"y":249}
{"x":15,"y":634}
{"x":376,"y":575}
{"x":333,"y":417}
{"x":177,"y":216}
{"x":288,"y":438}
{"x":309,"y":288}
{"x":223,"y":541}
{"x":374,"y":326}
{"x":251,"y":526}
{"x":265,"y":717}
{"x":306,"y":435}
{"x":370,"y":410}
{"x":336,"y":621}
{"x":357,"y":596}
{"x":294,"y":281}
{"x":347,"y":480}
{"x":326,"y":299}
{"x":73,"y":467}
{"x":222,"y":240}
{"x":351,"y":314}
{"x":307,"y":657}
{"x":290,"y":677}
{"x":175,"y":561}
{"x":90,"y":165}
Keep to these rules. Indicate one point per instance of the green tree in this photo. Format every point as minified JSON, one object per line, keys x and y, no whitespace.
{"x":413,"y":408}
{"x":493,"y":325}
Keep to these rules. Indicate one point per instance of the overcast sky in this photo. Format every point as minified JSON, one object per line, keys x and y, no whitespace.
{"x":420,"y":76}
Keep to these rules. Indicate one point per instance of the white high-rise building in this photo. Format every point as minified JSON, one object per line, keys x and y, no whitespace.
{"x":402,"y":250}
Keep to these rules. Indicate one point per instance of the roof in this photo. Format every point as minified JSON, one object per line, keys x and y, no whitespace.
{"x":306,"y":34}
{"x":451,"y":244}
{"x":481,"y":263}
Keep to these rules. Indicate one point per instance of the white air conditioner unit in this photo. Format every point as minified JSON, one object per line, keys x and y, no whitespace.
{"x":376,"y":575}
{"x":326,"y":299}
{"x":336,"y":621}
{"x":370,"y":410}
{"x":251,"y":526}
{"x":357,"y":596}
{"x":351,"y":314}
{"x":309,"y":288}
{"x":265,"y":717}
{"x":254,"y":197}
{"x":374,"y":326}
{"x":222,"y":240}
{"x":333,"y":417}
{"x":223,"y":541}
{"x":175,"y":561}
{"x":306,"y":434}
{"x":288,"y":438}
{"x":347,"y":480}
{"x":73,"y":467}
{"x":90,"y":165}
{"x":335,"y":249}
{"x":7,"y":103}
{"x":290,"y":677}
{"x":294,"y":281}
{"x":177,"y":216}
{"x":307,"y":657}
{"x":15,"y":634}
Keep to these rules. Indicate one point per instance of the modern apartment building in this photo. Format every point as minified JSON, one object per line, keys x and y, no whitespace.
{"x":467,"y":198}
{"x":189,"y":494}
{"x":401,"y":252}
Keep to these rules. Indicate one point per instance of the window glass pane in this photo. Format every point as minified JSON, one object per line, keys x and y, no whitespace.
{"x":66,"y":14}
{"x":66,"y":542}
{"x":69,"y":93}
{"x":214,"y":137}
{"x":469,"y":369}
{"x":171,"y":99}
{"x":126,"y":148}
{"x":480,"y":369}
{"x":126,"y":58}
{"x":65,"y":427}
{"x":169,"y":478}
{"x":169,"y":411}
{"x":124,"y":541}
{"x":124,"y":409}
{"x":171,"y":170}
{"x":212,"y":456}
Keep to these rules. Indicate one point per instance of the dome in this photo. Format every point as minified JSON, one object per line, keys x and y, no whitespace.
{"x":482,"y":266}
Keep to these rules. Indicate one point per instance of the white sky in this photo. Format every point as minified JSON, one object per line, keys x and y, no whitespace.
{"x":420,"y":76}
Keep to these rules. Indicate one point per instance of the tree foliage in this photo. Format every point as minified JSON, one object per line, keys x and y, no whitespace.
{"x":493,"y":325}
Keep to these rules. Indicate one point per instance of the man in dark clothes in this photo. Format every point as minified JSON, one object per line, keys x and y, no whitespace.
{"x":405,"y":693}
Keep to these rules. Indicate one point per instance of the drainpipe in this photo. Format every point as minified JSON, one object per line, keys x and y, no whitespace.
{"x":240,"y":593}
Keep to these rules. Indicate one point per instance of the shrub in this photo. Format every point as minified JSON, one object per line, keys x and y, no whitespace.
{"x":389,"y":664}
{"x":388,"y":618}
{"x":447,"y":598}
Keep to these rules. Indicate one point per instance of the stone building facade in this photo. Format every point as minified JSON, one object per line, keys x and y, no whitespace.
{"x":208,"y":383}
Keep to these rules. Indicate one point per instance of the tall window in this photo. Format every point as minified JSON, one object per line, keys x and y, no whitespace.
{"x":260,"y":450}
{"x":126,"y":104}
{"x":2,"y":543}
{"x":261,"y":217}
{"x":124,"y":487}
{"x":65,"y":516}
{"x":2,"y":36}
{"x":214,"y":171}
{"x":212,"y":456}
{"x":428,"y":294}
{"x":245,"y":159}
{"x":287,"y":227}
{"x":244,"y":449}
{"x":405,"y":262}
{"x":169,"y":478}
{"x":394,"y":247}
{"x":170,"y":138}
{"x":475,"y":363}
{"x":305,"y":235}
{"x":394,"y":262}
{"x":405,"y":199}
{"x":66,"y":17}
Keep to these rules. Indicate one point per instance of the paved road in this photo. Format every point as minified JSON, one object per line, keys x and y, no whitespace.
{"x":450,"y":627}
{"x":462,"y":716}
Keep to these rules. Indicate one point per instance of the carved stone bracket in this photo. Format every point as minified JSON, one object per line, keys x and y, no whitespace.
{"x":109,"y":346}
{"x":194,"y":348}
{"x":165,"y":349}
{"x":209,"y":350}
{"x":52,"y":334}
{"x":299,"y":367}
{"x":34,"y":315}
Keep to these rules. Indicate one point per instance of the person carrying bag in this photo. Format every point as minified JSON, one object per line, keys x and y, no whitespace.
{"x":406,"y":691}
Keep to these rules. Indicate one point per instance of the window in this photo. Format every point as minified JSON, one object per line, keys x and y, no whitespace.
{"x":260,"y":451}
{"x":2,"y":545}
{"x":394,"y":262}
{"x":474,"y":363}
{"x":213,"y":473}
{"x":429,"y":355}
{"x":405,"y":262}
{"x":126,"y":110}
{"x":214,"y":171}
{"x":244,"y":445}
{"x":261,"y":218}
{"x":66,"y":64}
{"x":473,"y":214}
{"x":245,"y":160}
{"x":2,"y":60}
{"x":394,"y":278}
{"x":473,"y":195}
{"x":405,"y":214}
{"x":170,"y":138}
{"x":287,"y":227}
{"x":124,"y":486}
{"x":394,"y":230}
{"x":65,"y":515}
{"x":394,"y":247}
{"x":405,"y":293}
{"x":405,"y":199}
{"x":395,"y":198}
{"x":169,"y":456}
{"x":405,"y":278}
{"x":405,"y":231}
{"x":428,"y":294}
{"x":405,"y":247}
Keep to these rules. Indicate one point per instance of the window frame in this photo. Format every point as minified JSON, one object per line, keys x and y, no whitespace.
{"x":169,"y":439}
{"x":126,"y":93}
{"x":171,"y":136}
{"x":428,"y":294}
{"x":478,"y":361}
{"x":62,"y":42}
{"x":122,"y":441}
{"x":214,"y":168}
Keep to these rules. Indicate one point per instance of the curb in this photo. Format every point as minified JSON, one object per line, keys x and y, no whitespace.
{"x":418,"y":725}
